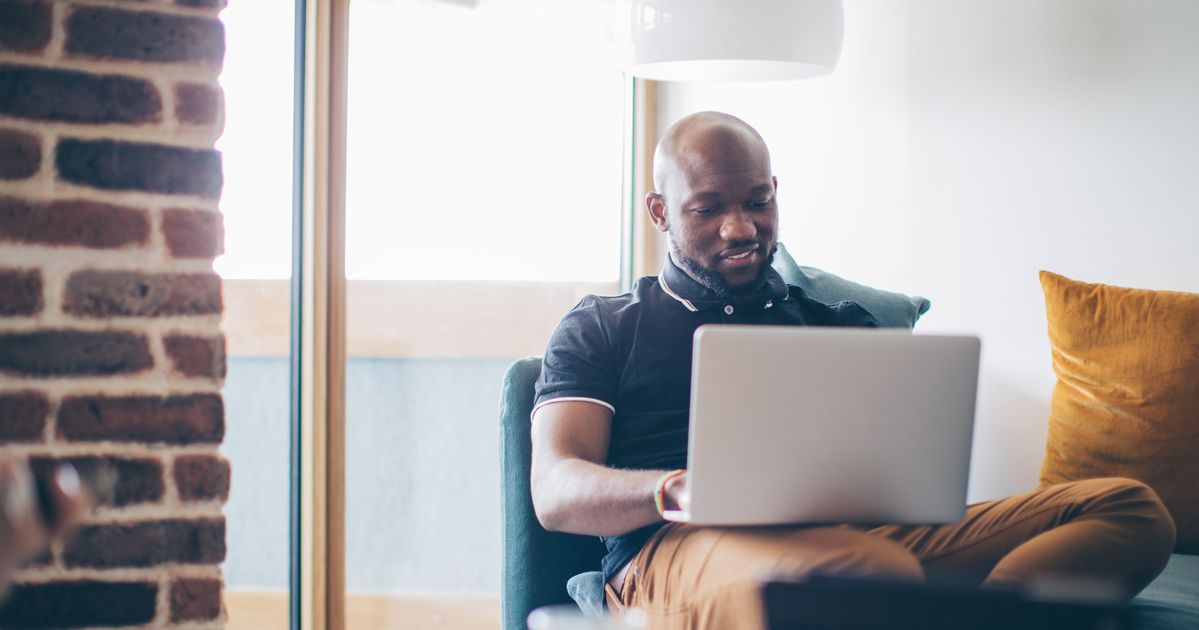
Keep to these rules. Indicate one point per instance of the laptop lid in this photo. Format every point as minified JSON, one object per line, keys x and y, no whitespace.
{"x":829,"y":425}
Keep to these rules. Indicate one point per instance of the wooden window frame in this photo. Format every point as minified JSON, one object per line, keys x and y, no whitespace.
{"x":644,"y":246}
{"x":317,"y":593}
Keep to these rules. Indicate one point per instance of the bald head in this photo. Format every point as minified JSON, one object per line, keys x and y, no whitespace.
{"x":703,"y":143}
{"x":715,"y":199}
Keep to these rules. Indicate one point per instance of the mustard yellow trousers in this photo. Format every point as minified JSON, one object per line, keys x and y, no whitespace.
{"x":693,"y":577}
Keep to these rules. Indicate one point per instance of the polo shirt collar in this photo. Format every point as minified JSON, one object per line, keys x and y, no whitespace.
{"x":696,"y":297}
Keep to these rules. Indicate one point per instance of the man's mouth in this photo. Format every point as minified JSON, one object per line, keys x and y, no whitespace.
{"x":740,"y":256}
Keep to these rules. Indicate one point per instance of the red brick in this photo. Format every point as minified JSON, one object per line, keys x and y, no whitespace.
{"x":95,"y":293}
{"x":24,"y":25}
{"x":79,"y":604}
{"x":200,"y":357}
{"x":189,"y":419}
{"x":58,"y":95}
{"x":144,"y":36}
{"x":202,"y":477}
{"x":195,"y":599}
{"x":148,"y":544}
{"x":45,"y":353}
{"x":20,"y":292}
{"x":20,"y":154}
{"x":197,"y":104}
{"x":112,"y":165}
{"x":43,"y":559}
{"x":72,"y":222}
{"x":23,"y":416}
{"x":193,"y":233}
{"x":136,"y":480}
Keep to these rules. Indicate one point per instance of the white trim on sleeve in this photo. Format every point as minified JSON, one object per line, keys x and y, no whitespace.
{"x":571,"y":399}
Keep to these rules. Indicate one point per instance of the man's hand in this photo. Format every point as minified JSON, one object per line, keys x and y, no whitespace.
{"x":676,"y":494}
{"x":23,"y":532}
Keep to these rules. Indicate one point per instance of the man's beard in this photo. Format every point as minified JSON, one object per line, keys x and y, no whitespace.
{"x":714,"y":280}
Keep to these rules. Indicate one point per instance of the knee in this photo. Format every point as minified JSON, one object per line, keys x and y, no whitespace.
{"x":887,"y":559}
{"x":885,"y":562}
{"x":1139,"y":510}
{"x":865,"y":555}
{"x":1160,"y":531}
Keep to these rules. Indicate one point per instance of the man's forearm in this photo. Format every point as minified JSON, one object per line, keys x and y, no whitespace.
{"x":582,"y":497}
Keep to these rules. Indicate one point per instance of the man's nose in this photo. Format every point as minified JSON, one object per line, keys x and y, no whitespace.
{"x":738,"y":226}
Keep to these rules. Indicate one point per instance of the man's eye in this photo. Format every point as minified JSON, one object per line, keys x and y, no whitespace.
{"x":758,"y":205}
{"x":703,"y":211}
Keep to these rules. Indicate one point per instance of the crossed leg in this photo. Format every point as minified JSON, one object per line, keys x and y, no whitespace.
{"x":1115,"y":529}
{"x":709,"y":577}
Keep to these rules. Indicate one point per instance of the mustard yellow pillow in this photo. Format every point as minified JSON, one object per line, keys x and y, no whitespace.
{"x":1126,"y":402}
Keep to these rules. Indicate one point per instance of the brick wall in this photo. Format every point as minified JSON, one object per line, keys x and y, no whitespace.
{"x":110,"y":349}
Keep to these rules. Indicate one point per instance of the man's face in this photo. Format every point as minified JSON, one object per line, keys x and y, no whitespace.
{"x":722,"y":218}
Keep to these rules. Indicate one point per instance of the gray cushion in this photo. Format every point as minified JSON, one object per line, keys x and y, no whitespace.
{"x":587,"y":589}
{"x":893,"y":310}
{"x":1171,"y":602}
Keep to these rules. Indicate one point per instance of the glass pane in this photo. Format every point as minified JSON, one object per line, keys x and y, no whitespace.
{"x":482,"y":143}
{"x":484,"y":199}
{"x":257,"y":204}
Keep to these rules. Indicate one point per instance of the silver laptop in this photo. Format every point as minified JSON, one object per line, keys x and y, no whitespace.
{"x":829,"y":425}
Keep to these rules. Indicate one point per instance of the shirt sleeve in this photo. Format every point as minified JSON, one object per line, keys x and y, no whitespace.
{"x":578,"y":360}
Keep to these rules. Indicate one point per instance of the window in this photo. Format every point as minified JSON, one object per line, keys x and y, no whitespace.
{"x":484,"y":144}
{"x":483,"y":199}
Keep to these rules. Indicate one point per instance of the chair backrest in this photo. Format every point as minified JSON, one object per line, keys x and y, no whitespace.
{"x":537,"y":563}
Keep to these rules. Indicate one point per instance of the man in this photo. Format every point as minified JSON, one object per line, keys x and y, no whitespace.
{"x":611,"y":416}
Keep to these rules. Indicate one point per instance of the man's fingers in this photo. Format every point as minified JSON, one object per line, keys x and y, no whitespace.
{"x":679,"y":491}
{"x":685,"y":495}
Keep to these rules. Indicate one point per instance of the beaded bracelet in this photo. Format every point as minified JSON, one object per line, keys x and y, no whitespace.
{"x":660,"y":490}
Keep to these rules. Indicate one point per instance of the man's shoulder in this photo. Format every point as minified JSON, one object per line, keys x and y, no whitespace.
{"x":583,"y":355}
{"x":607,"y":306}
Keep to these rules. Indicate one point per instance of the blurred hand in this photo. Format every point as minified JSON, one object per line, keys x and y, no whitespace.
{"x":23,"y":532}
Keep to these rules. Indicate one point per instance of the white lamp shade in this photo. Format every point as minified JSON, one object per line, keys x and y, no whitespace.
{"x":729,"y":40}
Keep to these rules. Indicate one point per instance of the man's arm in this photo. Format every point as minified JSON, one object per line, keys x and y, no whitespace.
{"x":572,"y":489}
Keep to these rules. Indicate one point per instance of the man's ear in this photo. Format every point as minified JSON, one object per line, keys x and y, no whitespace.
{"x":655,"y":204}
{"x":775,"y":179}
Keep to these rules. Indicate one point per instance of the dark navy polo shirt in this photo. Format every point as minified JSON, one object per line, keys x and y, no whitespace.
{"x":632,"y":354}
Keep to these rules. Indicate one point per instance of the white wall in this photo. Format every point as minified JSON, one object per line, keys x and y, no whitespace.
{"x":962,"y":145}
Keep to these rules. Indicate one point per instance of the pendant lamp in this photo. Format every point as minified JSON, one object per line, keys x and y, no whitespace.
{"x":729,"y":40}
